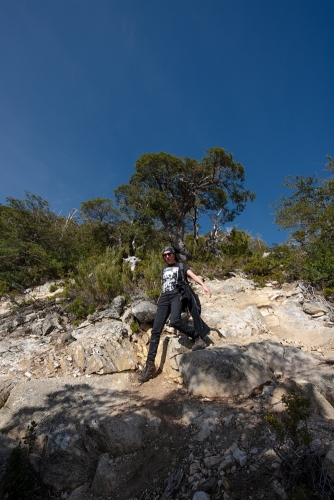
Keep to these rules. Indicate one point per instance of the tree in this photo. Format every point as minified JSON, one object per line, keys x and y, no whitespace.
{"x":100,"y":219}
{"x":35,"y":244}
{"x":308,"y":214}
{"x":107,"y":226}
{"x":173,"y":192}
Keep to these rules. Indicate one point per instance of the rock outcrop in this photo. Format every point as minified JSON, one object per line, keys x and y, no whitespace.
{"x":101,"y":434}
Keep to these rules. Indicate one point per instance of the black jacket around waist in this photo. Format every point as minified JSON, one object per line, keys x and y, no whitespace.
{"x":191,"y":301}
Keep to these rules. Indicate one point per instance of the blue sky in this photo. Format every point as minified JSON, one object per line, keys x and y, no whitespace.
{"x":87,"y":86}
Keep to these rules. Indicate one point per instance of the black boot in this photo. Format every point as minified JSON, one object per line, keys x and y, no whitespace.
{"x":199,"y":344}
{"x":148,"y":372}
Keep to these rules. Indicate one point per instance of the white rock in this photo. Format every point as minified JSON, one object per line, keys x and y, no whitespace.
{"x":240,"y":456}
{"x":201,"y":495}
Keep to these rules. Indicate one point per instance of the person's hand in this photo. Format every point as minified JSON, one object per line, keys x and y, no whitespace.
{"x":207,"y":290}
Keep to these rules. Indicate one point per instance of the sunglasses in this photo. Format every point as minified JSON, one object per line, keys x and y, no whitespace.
{"x":168,"y":254}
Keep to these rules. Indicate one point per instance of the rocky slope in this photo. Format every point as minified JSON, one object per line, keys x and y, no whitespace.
{"x":101,"y":435}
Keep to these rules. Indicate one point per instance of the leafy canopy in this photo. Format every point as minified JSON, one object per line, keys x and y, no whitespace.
{"x":308,"y":214}
{"x":170,"y":191}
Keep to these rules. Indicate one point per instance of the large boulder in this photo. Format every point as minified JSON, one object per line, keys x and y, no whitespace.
{"x":103,"y":348}
{"x":230,"y":370}
{"x":78,"y":423}
{"x":144,"y":311}
{"x":168,"y":355}
{"x":295,"y":323}
{"x":223,"y":371}
{"x":232,"y":323}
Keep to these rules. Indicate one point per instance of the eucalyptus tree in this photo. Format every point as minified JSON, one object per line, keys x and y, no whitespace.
{"x":174,"y":192}
{"x":308,"y":215}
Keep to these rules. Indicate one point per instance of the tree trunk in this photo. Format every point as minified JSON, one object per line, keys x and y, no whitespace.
{"x":177,"y":239}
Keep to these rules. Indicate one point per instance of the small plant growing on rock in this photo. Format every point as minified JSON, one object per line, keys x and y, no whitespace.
{"x":134,"y":327}
{"x":302,"y":470}
{"x":30,"y":437}
{"x":2,"y":402}
{"x":292,"y":424}
{"x":80,"y":309}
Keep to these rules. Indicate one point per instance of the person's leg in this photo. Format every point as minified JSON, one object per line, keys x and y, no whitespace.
{"x":159,"y":321}
{"x":175,"y":317}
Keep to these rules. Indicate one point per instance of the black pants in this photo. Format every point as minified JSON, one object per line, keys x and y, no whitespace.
{"x":169,"y":303}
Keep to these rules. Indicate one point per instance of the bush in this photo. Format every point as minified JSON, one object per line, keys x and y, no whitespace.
{"x":134,"y":327}
{"x":302,"y":470}
{"x":97,"y":281}
{"x":4,"y":288}
{"x":80,"y":309}
{"x":148,"y":274}
{"x":284,"y":263}
{"x":328,"y":293}
{"x":292,"y":424}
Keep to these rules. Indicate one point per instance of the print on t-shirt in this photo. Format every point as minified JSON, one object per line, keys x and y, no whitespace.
{"x":170,"y":279}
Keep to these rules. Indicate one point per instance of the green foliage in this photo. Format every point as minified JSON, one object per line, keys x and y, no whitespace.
{"x":149,"y":272}
{"x":4,"y":288}
{"x":284,"y":263}
{"x":233,"y":252}
{"x":292,"y":424}
{"x":237,"y":244}
{"x":171,"y":191}
{"x":134,"y":327}
{"x":328,"y":293}
{"x":101,"y":220}
{"x":309,"y":216}
{"x":97,"y":281}
{"x":153,"y":294}
{"x":30,"y":437}
{"x":53,"y":288}
{"x":35,"y":244}
{"x":319,"y":263}
{"x":80,"y":309}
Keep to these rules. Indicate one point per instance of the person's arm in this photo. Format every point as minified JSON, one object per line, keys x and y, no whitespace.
{"x":199,"y":281}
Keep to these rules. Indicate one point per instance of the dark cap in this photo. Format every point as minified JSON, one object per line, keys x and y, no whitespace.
{"x":168,"y":249}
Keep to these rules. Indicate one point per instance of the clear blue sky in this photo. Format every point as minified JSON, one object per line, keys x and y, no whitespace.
{"x":87,"y":86}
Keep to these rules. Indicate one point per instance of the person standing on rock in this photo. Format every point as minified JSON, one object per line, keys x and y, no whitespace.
{"x":170,"y":303}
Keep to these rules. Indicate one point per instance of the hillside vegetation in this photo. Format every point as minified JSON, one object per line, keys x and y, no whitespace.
{"x":86,"y":249}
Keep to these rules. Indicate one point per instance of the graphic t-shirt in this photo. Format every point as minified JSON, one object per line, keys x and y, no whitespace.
{"x":172,"y":277}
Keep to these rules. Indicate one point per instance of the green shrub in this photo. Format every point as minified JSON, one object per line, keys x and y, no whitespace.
{"x":319,"y":264}
{"x":4,"y":288}
{"x":80,"y":309}
{"x":30,"y":437}
{"x":154,"y":294}
{"x":97,"y":281}
{"x":148,"y":275}
{"x":328,"y":293}
{"x":301,"y":469}
{"x":134,"y":327}
{"x":292,"y":424}
{"x":53,"y":288}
